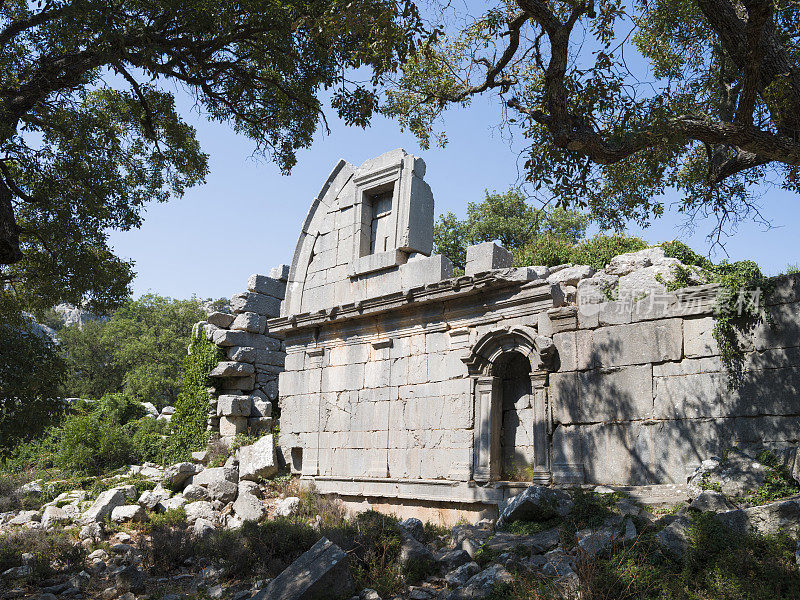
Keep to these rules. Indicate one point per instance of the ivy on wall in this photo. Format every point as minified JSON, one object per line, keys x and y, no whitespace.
{"x":740,"y":304}
{"x":191,"y":411}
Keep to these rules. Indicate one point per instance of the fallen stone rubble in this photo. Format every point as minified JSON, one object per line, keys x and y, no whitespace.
{"x":466,"y":563}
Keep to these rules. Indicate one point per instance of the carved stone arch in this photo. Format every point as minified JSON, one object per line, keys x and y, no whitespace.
{"x":486,"y":393}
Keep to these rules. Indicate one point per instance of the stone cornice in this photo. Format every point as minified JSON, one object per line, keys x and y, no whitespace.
{"x":447,"y":289}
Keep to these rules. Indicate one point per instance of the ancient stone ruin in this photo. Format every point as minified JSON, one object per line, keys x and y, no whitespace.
{"x":404,"y":388}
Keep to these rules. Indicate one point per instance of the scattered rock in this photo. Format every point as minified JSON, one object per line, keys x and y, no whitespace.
{"x":202,"y":527}
{"x":536,"y":503}
{"x":248,"y":507}
{"x":674,"y":538}
{"x":215,"y":474}
{"x":195,"y":492}
{"x":481,"y":584}
{"x":288,"y":506}
{"x":776,"y":517}
{"x":258,"y":460}
{"x":102,"y":507}
{"x":176,"y":501}
{"x":460,"y":575}
{"x":737,"y":475}
{"x":413,"y":528}
{"x":199,"y":510}
{"x":129,"y":579}
{"x":223,"y":490}
{"x":711,"y":501}
{"x":127,"y":513}
{"x":453,"y":559}
{"x":413,"y":552}
{"x":53,"y":515}
{"x":321,"y":572}
{"x":535,"y":543}
{"x":176,"y":476}
{"x":25,"y":516}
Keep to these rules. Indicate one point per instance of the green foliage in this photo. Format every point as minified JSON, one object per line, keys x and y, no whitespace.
{"x":110,"y":435}
{"x":138,"y":351}
{"x":687,"y":256}
{"x":191,"y":410}
{"x":598,"y":250}
{"x":743,"y":291}
{"x":174,"y":517}
{"x":30,"y":374}
{"x":507,"y":218}
{"x":94,"y":135}
{"x":591,"y":142}
{"x":778,"y":483}
{"x":545,"y":250}
{"x":45,"y":547}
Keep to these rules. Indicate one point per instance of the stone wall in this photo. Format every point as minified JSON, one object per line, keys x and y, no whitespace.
{"x":246,"y":382}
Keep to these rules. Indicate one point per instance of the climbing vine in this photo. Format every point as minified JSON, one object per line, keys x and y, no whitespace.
{"x":740,"y":303}
{"x":191,"y":411}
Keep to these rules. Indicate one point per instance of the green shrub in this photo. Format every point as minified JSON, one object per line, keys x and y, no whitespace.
{"x":188,"y":423}
{"x":149,"y":440}
{"x":778,"y":482}
{"x":119,"y":409}
{"x":544,"y":250}
{"x":598,"y":250}
{"x":686,"y":255}
{"x":90,"y":444}
{"x":47,"y":547}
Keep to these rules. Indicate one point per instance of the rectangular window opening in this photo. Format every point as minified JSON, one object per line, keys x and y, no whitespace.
{"x":380,"y":210}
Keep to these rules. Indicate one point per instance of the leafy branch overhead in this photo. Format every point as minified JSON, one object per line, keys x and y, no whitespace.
{"x":90,"y":133}
{"x":622,"y":100}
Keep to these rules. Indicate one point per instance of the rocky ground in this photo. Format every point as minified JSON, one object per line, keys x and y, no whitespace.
{"x":238,"y":531}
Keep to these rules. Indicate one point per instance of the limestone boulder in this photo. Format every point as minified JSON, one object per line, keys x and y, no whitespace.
{"x":248,"y":507}
{"x":321,"y":572}
{"x":571,"y":275}
{"x":413,"y":528}
{"x":711,"y":501}
{"x":54,"y":515}
{"x":415,"y":553}
{"x":128,"y":513}
{"x":176,"y":476}
{"x":221,"y":319}
{"x":258,"y":460}
{"x":769,"y":519}
{"x":222,"y":490}
{"x":201,"y":509}
{"x":287,"y":507}
{"x":216,"y":474}
{"x":482,"y":584}
{"x":623,"y":264}
{"x":460,"y":575}
{"x":536,"y":503}
{"x":101,"y":508}
{"x":25,"y":516}
{"x":195,"y":492}
{"x":674,"y":538}
{"x":173,"y":503}
{"x":735,"y":476}
{"x":151,"y":498}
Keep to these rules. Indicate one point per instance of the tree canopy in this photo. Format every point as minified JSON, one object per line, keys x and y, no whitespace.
{"x":89,"y":131}
{"x":620,"y":100}
{"x":137,"y":352}
{"x":507,"y":218}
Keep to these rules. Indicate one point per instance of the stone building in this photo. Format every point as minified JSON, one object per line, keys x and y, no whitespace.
{"x":408,"y":389}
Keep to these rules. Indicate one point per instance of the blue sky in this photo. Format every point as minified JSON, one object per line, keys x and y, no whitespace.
{"x":247,"y":216}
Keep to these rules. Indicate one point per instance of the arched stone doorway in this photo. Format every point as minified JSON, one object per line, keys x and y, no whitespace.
{"x":498,"y":364}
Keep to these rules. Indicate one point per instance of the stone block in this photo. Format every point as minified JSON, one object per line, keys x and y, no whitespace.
{"x":102,"y":507}
{"x":234,"y":406}
{"x":257,"y":460}
{"x":571,"y":275}
{"x":341,"y":378}
{"x":232,"y":426}
{"x":566,"y":347}
{"x":380,"y":261}
{"x":259,"y":425}
{"x":221,"y":319}
{"x":487,"y":256}
{"x":257,"y":303}
{"x":618,"y":453}
{"x":567,"y":457}
{"x":783,"y":332}
{"x":281,"y":272}
{"x":424,"y":270}
{"x":225,"y":338}
{"x":633,"y":344}
{"x":629,"y":262}
{"x":257,"y":356}
{"x":249,"y":321}
{"x":673,"y":459}
{"x":698,"y":337}
{"x":321,"y":572}
{"x":268,"y":286}
{"x":602,"y":395}
{"x":232,"y":369}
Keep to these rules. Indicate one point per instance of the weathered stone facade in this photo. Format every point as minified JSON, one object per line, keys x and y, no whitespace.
{"x":407,"y":387}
